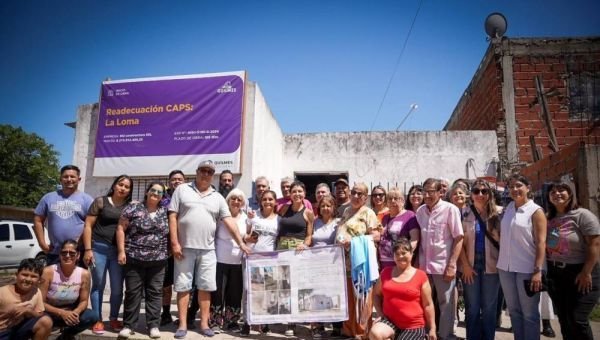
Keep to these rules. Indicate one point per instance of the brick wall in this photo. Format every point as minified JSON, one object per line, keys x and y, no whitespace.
{"x":553,"y":167}
{"x":556,"y":71}
{"x":481,"y":105}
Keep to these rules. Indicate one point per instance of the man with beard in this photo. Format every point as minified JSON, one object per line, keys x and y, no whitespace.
{"x":225,"y":183}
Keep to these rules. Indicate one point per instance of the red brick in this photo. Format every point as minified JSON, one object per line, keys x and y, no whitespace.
{"x":542,"y":68}
{"x":526,"y":68}
{"x":562,"y":132}
{"x":523,"y":76}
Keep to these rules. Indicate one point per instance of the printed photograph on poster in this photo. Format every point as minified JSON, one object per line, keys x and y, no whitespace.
{"x":291,"y":286}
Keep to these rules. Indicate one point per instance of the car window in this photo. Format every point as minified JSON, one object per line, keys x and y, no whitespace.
{"x":4,"y":232}
{"x":22,"y":232}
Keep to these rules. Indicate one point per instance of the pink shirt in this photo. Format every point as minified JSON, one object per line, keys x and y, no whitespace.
{"x":439,"y":227}
{"x":281,"y":201}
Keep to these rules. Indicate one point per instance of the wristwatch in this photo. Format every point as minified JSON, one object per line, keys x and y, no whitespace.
{"x":536,"y":269}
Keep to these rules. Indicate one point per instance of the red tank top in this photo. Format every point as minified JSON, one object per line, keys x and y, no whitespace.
{"x":402,"y":300}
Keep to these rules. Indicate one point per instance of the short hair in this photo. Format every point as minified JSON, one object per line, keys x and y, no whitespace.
{"x":298,"y":184}
{"x":402,"y":243}
{"x":153,"y":183}
{"x":261,"y":178}
{"x":71,"y":242}
{"x":70,"y":167}
{"x":118,"y":179}
{"x":176,"y":172}
{"x":287,"y":179}
{"x":395,"y":191}
{"x":32,"y":265}
{"x":437,"y":183}
{"x":323,"y":185}
{"x":362,"y":185}
{"x":459,"y":185}
{"x":571,"y":205}
{"x":236,"y":193}
{"x":328,"y":199}
{"x":226,"y":171}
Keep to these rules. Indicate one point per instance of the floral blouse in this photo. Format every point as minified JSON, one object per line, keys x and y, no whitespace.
{"x":147,"y":236}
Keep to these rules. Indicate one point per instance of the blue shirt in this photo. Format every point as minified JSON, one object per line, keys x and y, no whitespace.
{"x":65,"y":216}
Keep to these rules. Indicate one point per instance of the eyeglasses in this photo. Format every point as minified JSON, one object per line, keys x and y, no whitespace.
{"x":156,"y":191}
{"x":206,"y":171}
{"x":430,"y":192}
{"x":67,"y":253}
{"x":477,"y":191}
{"x":357,"y":193}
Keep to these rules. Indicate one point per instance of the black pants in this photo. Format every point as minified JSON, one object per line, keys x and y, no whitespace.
{"x":147,"y":276}
{"x":573,"y":308}
{"x":230,"y":286}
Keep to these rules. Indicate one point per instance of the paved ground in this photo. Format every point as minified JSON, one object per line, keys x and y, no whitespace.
{"x":303,"y":332}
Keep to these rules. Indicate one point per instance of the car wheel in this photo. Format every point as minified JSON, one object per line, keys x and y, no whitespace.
{"x":41,"y":258}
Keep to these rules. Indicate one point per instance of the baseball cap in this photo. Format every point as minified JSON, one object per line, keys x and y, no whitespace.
{"x":342,"y":180}
{"x":207,"y":164}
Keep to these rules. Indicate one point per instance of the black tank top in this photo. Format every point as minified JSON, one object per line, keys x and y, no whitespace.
{"x":292,"y":224}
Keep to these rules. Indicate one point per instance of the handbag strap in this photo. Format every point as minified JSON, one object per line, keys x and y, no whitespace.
{"x":484,"y":225}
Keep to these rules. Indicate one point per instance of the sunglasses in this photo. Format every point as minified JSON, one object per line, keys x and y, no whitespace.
{"x":477,"y":191}
{"x":67,"y":253}
{"x":378,"y":195}
{"x":156,"y":191}
{"x":357,"y":193}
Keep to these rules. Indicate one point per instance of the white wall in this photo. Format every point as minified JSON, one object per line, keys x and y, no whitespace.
{"x":374,"y":157}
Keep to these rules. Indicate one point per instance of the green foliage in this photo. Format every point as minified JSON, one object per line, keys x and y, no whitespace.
{"x":28,"y":167}
{"x":595,"y":316}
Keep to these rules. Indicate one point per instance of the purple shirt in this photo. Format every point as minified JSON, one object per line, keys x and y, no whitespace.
{"x":394,"y":228}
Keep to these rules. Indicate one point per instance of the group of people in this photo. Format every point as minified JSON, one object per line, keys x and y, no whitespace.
{"x":191,"y":238}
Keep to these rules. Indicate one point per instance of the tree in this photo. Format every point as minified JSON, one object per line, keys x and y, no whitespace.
{"x":28,"y":167}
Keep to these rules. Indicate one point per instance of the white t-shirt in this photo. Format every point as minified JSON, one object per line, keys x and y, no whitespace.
{"x":267,"y":229}
{"x":227,"y":249}
{"x":197,"y":215}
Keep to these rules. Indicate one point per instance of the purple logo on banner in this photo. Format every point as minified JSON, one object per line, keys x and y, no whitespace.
{"x":164,"y":117}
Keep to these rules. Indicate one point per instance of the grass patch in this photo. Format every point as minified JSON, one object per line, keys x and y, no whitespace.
{"x":595,"y":315}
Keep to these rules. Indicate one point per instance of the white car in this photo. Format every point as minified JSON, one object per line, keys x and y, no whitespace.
{"x":17,"y":242}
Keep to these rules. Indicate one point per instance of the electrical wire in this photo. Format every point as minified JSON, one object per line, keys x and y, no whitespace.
{"x":389,"y":84}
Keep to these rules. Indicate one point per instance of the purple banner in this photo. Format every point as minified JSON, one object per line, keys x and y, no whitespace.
{"x":196,"y":115}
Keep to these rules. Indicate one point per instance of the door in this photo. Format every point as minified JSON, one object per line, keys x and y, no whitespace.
{"x":25,"y":243}
{"x":5,"y":245}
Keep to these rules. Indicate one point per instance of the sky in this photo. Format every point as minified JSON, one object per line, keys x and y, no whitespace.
{"x":323,"y":66}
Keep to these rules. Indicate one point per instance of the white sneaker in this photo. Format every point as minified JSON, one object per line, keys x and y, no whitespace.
{"x":125,"y":333}
{"x":154,"y":333}
{"x":289,"y":332}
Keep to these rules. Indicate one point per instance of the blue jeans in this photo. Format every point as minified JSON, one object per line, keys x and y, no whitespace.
{"x":481,"y":298}
{"x":524,"y":311}
{"x":105,"y":259}
{"x":86,"y":320}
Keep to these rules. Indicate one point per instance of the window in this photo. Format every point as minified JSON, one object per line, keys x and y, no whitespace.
{"x":22,"y":232}
{"x":4,"y":232}
{"x":584,"y":94}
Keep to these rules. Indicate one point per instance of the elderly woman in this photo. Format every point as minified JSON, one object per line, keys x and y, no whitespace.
{"x":358,"y":220}
{"x":399,"y":223}
{"x":65,"y":290}
{"x":226,"y":300}
{"x":573,"y":247}
{"x":415,"y":198}
{"x":402,"y":298}
{"x":521,"y":259}
{"x":479,"y":257}
{"x":142,"y":238}
{"x":100,"y":253}
{"x":379,"y":202}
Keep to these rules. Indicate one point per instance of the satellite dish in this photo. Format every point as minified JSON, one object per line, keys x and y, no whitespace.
{"x":495,"y":25}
